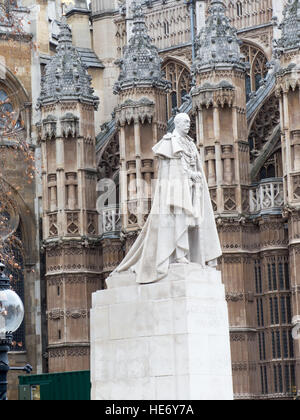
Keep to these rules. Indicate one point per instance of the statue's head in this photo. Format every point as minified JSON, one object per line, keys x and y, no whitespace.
{"x":182,"y":124}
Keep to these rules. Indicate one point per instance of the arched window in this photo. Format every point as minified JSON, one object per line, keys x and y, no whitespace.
{"x":166,"y":28}
{"x":9,"y":119}
{"x":258,"y":67}
{"x":179,"y":76}
{"x":239,"y":8}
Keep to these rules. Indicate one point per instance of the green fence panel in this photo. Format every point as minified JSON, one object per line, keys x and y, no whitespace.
{"x":67,"y":386}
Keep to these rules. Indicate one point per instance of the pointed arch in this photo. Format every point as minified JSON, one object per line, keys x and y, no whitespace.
{"x":15,"y":87}
{"x":258,"y":61}
{"x":17,"y":98}
{"x":179,"y":74}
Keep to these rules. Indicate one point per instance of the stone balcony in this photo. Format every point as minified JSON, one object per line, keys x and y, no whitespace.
{"x":110,"y":218}
{"x":267,"y":197}
{"x":110,"y":221}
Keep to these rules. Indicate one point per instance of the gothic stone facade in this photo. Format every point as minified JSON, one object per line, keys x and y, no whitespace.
{"x":243,"y":99}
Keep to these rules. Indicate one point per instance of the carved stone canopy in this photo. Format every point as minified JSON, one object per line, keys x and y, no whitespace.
{"x":217,"y":43}
{"x":69,"y":125}
{"x":128,"y":111}
{"x":213,"y":95}
{"x":287,"y":78}
{"x":51,"y":126}
{"x":141,"y":64}
{"x":66,"y":77}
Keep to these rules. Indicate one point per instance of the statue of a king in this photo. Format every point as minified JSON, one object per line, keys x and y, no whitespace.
{"x":181,"y":226}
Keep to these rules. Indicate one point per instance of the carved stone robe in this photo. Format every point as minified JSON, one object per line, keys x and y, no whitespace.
{"x":181,"y":217}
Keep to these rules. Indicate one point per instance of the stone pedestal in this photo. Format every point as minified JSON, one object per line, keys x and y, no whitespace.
{"x":162,"y":341}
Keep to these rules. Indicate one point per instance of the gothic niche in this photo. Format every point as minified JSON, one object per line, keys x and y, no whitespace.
{"x":180,"y":77}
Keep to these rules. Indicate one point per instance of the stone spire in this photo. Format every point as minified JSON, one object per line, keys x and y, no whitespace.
{"x":217,"y":43}
{"x":141,"y":64}
{"x":290,"y":26}
{"x":66,"y":77}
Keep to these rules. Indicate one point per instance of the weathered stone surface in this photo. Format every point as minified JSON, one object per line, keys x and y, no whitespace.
{"x":166,"y":340}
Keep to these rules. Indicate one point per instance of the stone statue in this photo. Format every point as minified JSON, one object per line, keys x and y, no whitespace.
{"x":181,"y":227}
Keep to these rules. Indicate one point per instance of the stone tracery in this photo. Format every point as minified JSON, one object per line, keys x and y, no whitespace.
{"x":263,"y":125}
{"x":258,"y":67}
{"x":179,"y":76}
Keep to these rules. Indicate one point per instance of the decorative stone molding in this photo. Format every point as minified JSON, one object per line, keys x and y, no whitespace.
{"x":77,"y":314}
{"x":237,"y":337}
{"x":213,"y":95}
{"x":57,"y":314}
{"x":56,"y":353}
{"x":49,"y":127}
{"x":53,"y":226}
{"x":69,"y":125}
{"x":78,"y":351}
{"x":55,"y":281}
{"x":130,"y":110}
{"x":229,"y":199}
{"x":288,"y":78}
{"x":63,"y":352}
{"x":235,"y":296}
{"x":241,"y":366}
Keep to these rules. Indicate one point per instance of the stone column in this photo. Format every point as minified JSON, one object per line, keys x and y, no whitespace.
{"x":227,"y":155}
{"x":123,"y":176}
{"x":137,"y":143}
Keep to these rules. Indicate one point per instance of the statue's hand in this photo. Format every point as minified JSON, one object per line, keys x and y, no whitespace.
{"x":196,"y":177}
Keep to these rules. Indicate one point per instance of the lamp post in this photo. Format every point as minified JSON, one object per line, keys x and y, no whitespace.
{"x":11,"y":317}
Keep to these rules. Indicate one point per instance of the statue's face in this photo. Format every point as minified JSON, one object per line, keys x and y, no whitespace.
{"x":183,"y":124}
